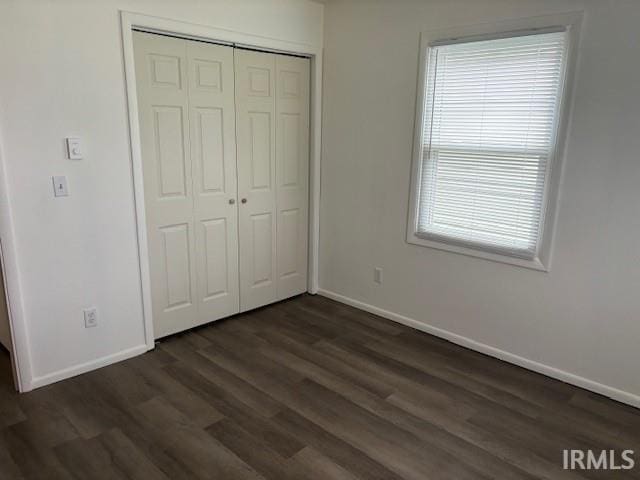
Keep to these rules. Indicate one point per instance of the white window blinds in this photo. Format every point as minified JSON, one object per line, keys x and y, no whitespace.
{"x":489,"y":125}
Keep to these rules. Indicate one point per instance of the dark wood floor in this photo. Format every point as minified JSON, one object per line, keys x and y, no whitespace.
{"x":307,"y":389}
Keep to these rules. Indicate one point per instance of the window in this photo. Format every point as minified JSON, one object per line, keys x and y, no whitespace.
{"x":486,"y":138}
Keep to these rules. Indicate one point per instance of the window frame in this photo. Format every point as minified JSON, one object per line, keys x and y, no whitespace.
{"x":569,"y":21}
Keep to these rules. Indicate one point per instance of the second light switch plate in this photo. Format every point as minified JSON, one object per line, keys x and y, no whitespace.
{"x":60,"y":186}
{"x":74,"y":149}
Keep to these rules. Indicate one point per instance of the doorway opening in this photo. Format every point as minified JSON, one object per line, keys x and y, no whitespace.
{"x":7,"y":365}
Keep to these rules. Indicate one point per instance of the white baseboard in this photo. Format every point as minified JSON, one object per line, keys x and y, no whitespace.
{"x":606,"y":390}
{"x":49,"y":378}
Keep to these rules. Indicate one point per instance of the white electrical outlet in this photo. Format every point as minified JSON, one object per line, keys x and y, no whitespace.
{"x":90,"y":317}
{"x":377,"y":275}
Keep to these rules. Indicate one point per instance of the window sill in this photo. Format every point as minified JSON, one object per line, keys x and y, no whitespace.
{"x":534,"y":264}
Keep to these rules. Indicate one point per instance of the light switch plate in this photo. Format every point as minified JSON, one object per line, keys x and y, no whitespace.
{"x":60,"y":186}
{"x":74,"y":149}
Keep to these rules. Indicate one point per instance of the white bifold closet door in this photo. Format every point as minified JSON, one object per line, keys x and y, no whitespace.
{"x":272,"y":123}
{"x":185,"y":93}
{"x":225,"y":154}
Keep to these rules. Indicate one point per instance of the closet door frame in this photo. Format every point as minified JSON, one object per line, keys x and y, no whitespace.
{"x":134,"y":21}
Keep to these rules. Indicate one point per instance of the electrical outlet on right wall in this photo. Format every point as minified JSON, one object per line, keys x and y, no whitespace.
{"x":377,"y":275}
{"x":90,"y":317}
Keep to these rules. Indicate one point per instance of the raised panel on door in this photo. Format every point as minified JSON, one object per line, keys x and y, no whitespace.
{"x":215,"y":253}
{"x":168,"y":125}
{"x":292,"y":174}
{"x":176,"y":266}
{"x":164,"y":133}
{"x":261,"y":249}
{"x":209,"y":149}
{"x":256,"y":153}
{"x":260,"y":152}
{"x":213,"y":158}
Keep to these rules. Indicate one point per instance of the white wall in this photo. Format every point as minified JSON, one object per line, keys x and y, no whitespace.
{"x":62,"y":75}
{"x":583,"y":317}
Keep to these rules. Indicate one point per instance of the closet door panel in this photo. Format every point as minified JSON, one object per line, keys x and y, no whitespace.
{"x":292,"y":174}
{"x":256,"y":147}
{"x":161,"y":82}
{"x":176,"y":265}
{"x":213,"y":159}
{"x":209,"y":149}
{"x":215,"y":253}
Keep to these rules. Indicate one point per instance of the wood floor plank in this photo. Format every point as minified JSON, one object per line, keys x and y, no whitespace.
{"x":430,"y":435}
{"x":281,"y":343}
{"x":397,"y":453}
{"x":196,"y":408}
{"x":533,"y":386}
{"x":45,"y":428}
{"x":250,"y":449}
{"x":346,"y":312}
{"x":206,"y":458}
{"x":547,"y":444}
{"x":33,"y":462}
{"x":10,"y":411}
{"x":307,"y":389}
{"x":339,"y":451}
{"x":9,"y":469}
{"x":266,"y":431}
{"x":88,"y":459}
{"x":407,"y":380}
{"x":476,"y":394}
{"x":128,"y":457}
{"x":382,"y":440}
{"x":399,"y":358}
{"x":91,"y":407}
{"x":623,"y":415}
{"x":342,"y":328}
{"x":153,"y":439}
{"x":208,"y":380}
{"x":501,"y":447}
{"x":312,"y":465}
